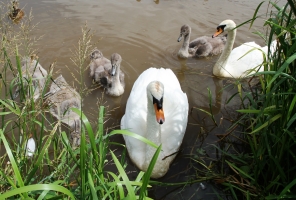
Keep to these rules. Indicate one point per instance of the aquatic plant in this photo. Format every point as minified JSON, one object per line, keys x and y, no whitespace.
{"x":55,"y":170}
{"x":261,"y":165}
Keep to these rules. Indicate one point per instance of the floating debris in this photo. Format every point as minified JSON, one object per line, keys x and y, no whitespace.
{"x":203,"y":187}
{"x":30,"y":147}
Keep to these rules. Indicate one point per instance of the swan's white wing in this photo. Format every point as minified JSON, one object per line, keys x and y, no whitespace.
{"x":239,"y":63}
{"x":176,"y":117}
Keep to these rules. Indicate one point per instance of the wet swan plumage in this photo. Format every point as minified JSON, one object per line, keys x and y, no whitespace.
{"x":201,"y":46}
{"x":61,"y":99}
{"x":31,"y":69}
{"x":107,"y":73}
{"x":233,"y":63}
{"x":156,"y":109}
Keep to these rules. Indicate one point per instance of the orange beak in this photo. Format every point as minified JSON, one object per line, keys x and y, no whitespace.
{"x":218,"y":32}
{"x":159,"y":114}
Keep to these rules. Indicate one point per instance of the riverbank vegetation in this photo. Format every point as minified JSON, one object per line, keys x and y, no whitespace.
{"x":260,"y":164}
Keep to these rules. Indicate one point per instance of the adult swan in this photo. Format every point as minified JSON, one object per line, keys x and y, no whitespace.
{"x":156,"y":109}
{"x":241,"y":61}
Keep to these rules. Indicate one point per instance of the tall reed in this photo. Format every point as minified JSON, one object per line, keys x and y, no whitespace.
{"x":264,"y":166}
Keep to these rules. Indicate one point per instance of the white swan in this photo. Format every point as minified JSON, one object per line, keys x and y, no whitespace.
{"x":201,"y":46}
{"x":31,"y":69}
{"x":62,"y":98}
{"x":107,"y":73}
{"x":233,"y":63}
{"x":156,"y":109}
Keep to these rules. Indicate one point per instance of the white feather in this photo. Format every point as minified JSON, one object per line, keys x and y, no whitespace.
{"x":30,"y":147}
{"x":175,"y":107}
{"x":242,"y":60}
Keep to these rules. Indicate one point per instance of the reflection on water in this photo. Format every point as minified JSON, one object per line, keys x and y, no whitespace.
{"x":155,"y":1}
{"x":144,"y":33}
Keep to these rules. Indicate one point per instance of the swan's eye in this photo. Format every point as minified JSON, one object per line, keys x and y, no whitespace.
{"x":158,"y":102}
{"x":221,"y":28}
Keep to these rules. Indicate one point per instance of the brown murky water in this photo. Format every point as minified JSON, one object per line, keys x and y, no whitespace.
{"x":144,"y":33}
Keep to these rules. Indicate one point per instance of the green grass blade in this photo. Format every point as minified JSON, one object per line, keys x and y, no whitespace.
{"x":131,"y":194}
{"x":134,"y":135}
{"x":45,"y":192}
{"x":249,"y":111}
{"x":92,"y":187}
{"x":291,"y":107}
{"x":83,"y":161}
{"x":239,"y":170}
{"x":14,"y":165}
{"x":267,"y":123}
{"x":36,"y":187}
{"x":255,"y":14}
{"x":282,"y":68}
{"x":5,"y":113}
{"x":291,"y":121}
{"x":287,"y":189}
{"x":148,"y":173}
{"x":119,"y":185}
{"x":138,"y":179}
{"x":101,"y":144}
{"x":89,"y":132}
{"x":15,"y":110}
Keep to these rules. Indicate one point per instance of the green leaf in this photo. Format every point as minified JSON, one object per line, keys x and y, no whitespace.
{"x":267,"y":123}
{"x":30,"y":188}
{"x":92,"y":187}
{"x":148,"y":173}
{"x":14,"y":165}
{"x":15,"y":110}
{"x":122,"y":173}
{"x":134,"y":135}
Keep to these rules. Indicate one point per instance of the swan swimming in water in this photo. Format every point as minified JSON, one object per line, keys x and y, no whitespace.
{"x":233,"y":63}
{"x":31,"y":69}
{"x":107,"y":73}
{"x":201,"y":46}
{"x":156,"y":109}
{"x":61,"y":99}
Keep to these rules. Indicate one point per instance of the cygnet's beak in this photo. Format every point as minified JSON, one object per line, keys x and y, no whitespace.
{"x":113,"y":70}
{"x":180,"y":37}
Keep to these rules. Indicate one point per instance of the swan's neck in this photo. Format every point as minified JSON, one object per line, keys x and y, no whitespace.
{"x":153,"y":130}
{"x":183,"y":52}
{"x":116,"y":75}
{"x":153,"y":133}
{"x":116,"y":88}
{"x":220,"y":66}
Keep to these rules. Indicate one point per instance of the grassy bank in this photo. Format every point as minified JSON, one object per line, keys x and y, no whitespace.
{"x":261,"y":163}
